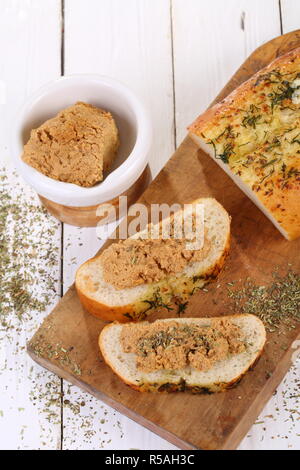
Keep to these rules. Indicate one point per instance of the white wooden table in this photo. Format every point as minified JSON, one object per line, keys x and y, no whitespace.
{"x":177,"y":55}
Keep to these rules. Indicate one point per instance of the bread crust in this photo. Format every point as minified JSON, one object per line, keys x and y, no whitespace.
{"x":284,"y":205}
{"x":282,"y":202}
{"x":239,"y":94}
{"x":105,"y":312}
{"x":182,"y":386}
{"x":124,"y":314}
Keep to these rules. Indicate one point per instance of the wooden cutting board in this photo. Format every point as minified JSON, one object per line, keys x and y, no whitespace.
{"x":66,"y":343}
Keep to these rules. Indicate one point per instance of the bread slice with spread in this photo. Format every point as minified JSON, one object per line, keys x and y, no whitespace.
{"x":254,"y":135}
{"x":132,"y":278}
{"x":203,"y":355}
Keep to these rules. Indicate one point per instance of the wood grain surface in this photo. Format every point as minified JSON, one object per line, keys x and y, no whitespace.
{"x":66,"y":343}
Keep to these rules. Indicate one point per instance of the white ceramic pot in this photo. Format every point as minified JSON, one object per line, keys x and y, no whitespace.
{"x":132,"y":121}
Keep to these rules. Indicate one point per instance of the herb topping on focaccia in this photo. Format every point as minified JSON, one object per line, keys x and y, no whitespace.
{"x":255,"y":133}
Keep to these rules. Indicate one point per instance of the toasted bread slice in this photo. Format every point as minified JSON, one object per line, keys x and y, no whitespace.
{"x":221,"y":376}
{"x":135,"y":303}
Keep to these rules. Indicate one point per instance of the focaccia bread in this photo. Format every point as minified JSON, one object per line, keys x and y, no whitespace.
{"x":254,"y":135}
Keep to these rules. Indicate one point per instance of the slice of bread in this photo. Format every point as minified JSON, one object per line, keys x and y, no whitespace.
{"x":221,"y":376}
{"x":134,"y":303}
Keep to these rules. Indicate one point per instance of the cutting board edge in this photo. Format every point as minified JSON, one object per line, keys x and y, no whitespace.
{"x":261,"y":399}
{"x":233,"y":439}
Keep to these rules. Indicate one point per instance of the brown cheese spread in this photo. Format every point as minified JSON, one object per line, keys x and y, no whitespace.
{"x":76,"y":146}
{"x":130,"y":263}
{"x":174,"y":345}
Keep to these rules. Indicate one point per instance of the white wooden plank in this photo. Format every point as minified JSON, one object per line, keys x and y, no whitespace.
{"x":278,"y":426}
{"x":131,"y":42}
{"x":290,"y":10}
{"x":30,"y":396}
{"x":211,"y":41}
